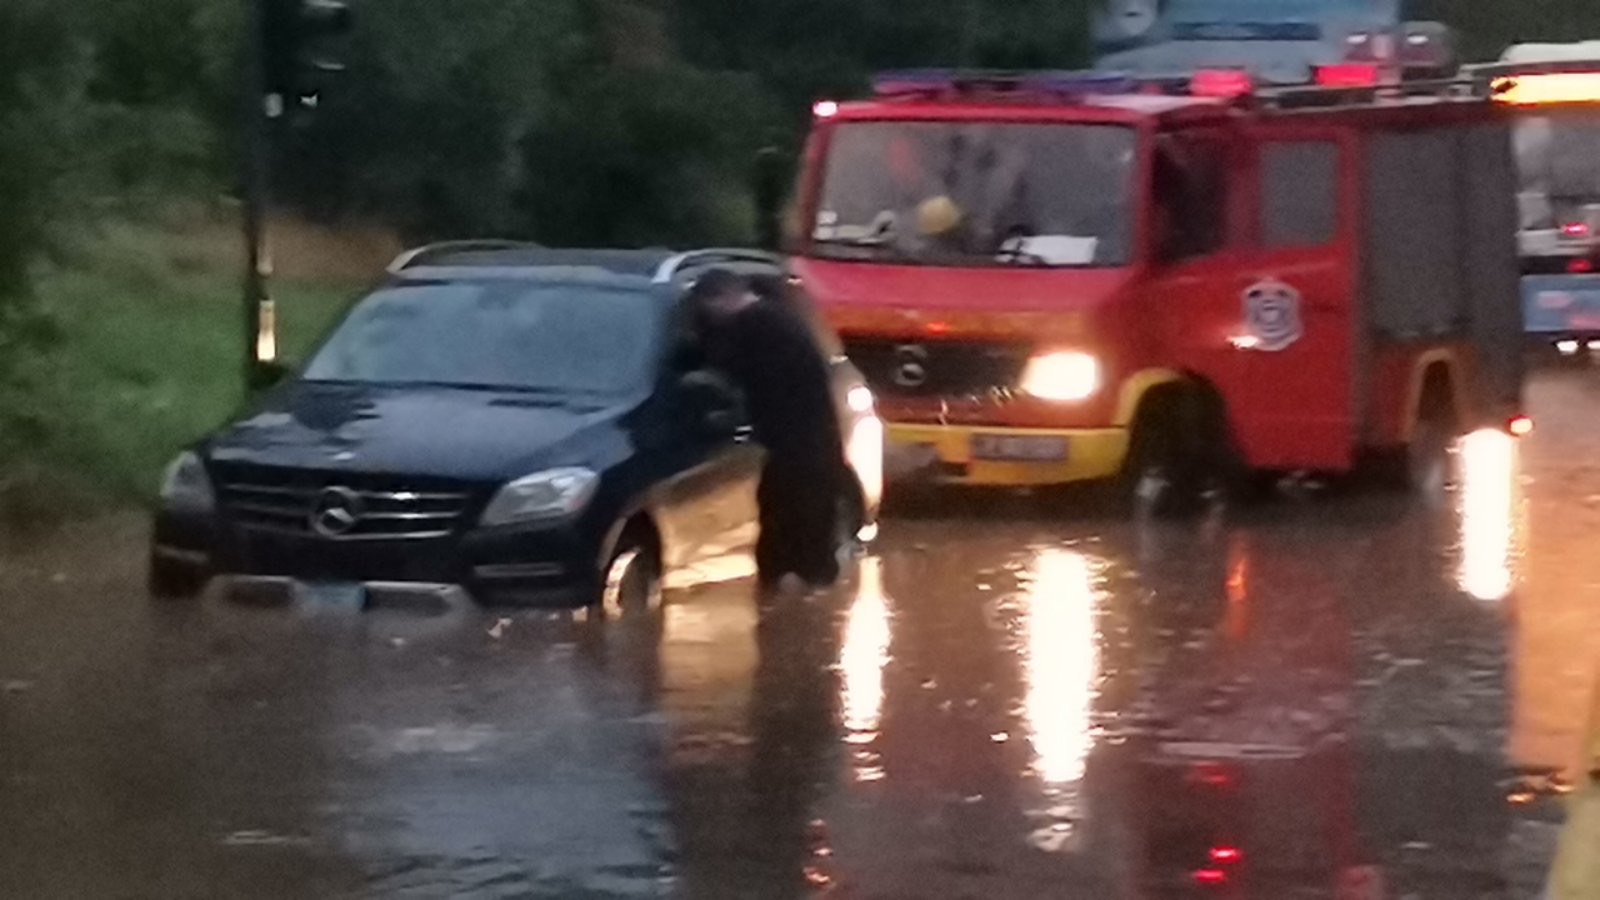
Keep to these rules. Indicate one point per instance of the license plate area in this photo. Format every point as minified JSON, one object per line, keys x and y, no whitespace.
{"x":334,"y":594}
{"x":1019,"y":448}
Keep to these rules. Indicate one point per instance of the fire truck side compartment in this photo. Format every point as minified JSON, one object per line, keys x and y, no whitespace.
{"x":1493,"y":269}
{"x":1440,"y":250}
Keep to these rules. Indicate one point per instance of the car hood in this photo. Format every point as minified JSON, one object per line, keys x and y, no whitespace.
{"x":875,"y":298}
{"x":459,"y":434}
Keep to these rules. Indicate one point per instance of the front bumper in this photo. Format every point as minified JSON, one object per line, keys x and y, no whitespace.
{"x":534,"y":565}
{"x":943,"y":454}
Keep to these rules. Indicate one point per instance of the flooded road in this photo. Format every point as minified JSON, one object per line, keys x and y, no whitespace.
{"x":1330,"y":696}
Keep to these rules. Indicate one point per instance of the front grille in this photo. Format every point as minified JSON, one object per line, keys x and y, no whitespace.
{"x":379,"y":507}
{"x":911,"y":369}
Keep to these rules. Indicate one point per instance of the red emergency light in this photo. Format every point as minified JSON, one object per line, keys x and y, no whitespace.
{"x":1348,"y":75}
{"x":1575,"y":229}
{"x":1226,"y":855}
{"x":1224,"y":83}
{"x":1581,"y":265}
{"x":1210,"y":877}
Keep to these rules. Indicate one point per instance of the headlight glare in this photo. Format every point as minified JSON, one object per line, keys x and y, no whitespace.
{"x":860,"y":399}
{"x":1065,"y":376}
{"x":864,"y":451}
{"x":186,"y":488}
{"x":542,"y":495}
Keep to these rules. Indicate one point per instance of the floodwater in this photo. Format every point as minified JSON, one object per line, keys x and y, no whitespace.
{"x":1333,"y":695}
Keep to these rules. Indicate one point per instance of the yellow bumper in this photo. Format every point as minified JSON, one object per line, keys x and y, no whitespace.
{"x":1092,"y":454}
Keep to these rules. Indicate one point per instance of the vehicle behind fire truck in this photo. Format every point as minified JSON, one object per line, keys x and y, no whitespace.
{"x":1556,"y":90}
{"x":1065,"y":277}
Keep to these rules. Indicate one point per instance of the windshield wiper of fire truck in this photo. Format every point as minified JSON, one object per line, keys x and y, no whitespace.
{"x":882,"y":240}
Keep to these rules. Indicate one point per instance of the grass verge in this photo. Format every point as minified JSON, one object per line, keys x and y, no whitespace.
{"x":148,"y":359}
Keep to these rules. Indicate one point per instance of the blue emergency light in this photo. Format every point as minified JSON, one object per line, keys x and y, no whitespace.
{"x":1064,"y":83}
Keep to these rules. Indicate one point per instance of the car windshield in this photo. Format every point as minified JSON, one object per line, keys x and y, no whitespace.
{"x":1559,"y":158}
{"x":959,"y":193}
{"x":549,"y":338}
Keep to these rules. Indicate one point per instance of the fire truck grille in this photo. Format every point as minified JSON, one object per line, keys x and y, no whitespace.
{"x":378,"y":507}
{"x":909,"y":369}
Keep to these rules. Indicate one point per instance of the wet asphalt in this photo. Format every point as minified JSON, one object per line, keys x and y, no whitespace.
{"x":1340,"y":693}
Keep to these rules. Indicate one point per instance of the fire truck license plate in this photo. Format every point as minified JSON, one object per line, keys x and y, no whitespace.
{"x":1019,"y":448}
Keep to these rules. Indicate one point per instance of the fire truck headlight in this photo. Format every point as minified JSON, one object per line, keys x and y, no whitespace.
{"x":1066,"y":376}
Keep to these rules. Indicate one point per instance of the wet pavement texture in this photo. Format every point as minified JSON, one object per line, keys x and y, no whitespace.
{"x":1350,"y":695}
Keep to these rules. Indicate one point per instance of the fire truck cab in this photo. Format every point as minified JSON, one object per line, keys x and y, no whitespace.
{"x":1064,"y":277}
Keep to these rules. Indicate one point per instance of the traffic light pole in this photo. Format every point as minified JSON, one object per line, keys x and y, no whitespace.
{"x":255,"y":158}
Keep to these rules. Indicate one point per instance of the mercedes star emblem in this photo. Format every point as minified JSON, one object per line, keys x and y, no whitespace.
{"x":337,"y":512}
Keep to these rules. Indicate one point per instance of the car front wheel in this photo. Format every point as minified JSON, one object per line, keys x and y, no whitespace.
{"x":631,"y":581}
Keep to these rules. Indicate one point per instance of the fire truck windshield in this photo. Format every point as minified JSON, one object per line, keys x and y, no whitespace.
{"x":1559,"y":157}
{"x":977,"y":194}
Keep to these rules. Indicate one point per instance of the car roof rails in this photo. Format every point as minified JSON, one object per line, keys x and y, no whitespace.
{"x":715,"y":256}
{"x":420,"y":255}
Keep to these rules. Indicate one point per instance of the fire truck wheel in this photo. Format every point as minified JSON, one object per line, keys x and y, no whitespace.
{"x":1427,"y":458}
{"x":1168,"y":470}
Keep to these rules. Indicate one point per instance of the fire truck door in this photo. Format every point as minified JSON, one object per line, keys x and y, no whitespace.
{"x":1295,"y":291}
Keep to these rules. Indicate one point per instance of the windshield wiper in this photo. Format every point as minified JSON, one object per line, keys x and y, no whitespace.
{"x":1022,"y":258}
{"x":483,"y":386}
{"x":865,"y":240}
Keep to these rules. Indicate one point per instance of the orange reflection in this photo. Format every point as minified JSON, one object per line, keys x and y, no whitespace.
{"x":1236,"y":623}
{"x":1063,"y":661}
{"x":862,"y":657}
{"x":1488,"y":514}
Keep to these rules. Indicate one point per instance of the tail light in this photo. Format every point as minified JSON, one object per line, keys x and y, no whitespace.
{"x":1348,"y":75}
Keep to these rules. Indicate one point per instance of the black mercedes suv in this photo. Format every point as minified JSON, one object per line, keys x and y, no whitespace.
{"x":524,"y":424}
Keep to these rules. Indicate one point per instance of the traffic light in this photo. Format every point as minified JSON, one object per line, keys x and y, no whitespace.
{"x":296,"y":38}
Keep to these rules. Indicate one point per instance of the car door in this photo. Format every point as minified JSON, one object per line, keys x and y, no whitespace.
{"x":707,"y":496}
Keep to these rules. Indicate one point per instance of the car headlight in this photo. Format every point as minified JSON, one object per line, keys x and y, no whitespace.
{"x":186,"y":488}
{"x":542,"y":495}
{"x":1065,"y":376}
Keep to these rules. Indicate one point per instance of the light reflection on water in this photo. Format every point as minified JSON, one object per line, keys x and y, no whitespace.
{"x":862,"y":657}
{"x":1488,"y":512}
{"x":1062,"y":663}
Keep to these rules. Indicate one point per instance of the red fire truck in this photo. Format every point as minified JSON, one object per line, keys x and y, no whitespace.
{"x":1059,"y":277}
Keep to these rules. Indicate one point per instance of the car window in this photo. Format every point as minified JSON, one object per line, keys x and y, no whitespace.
{"x":551,"y":337}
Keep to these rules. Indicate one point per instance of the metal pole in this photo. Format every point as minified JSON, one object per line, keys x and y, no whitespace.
{"x":255,"y":161}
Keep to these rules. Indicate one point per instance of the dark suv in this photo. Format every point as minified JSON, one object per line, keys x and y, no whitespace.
{"x":529,"y":425}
